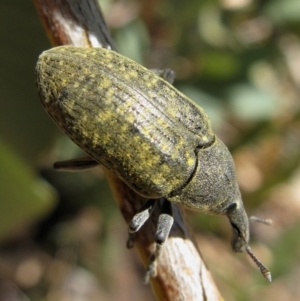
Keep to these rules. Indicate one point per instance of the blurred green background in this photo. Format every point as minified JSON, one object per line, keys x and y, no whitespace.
{"x":61,"y":235}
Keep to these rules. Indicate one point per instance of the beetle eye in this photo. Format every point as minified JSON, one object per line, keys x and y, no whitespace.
{"x":232,"y":207}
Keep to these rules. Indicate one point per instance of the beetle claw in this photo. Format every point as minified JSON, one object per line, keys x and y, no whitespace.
{"x":151,"y":270}
{"x":130,"y":241}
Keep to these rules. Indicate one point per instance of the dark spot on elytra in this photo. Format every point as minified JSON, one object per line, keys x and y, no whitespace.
{"x":87,"y":79}
{"x":64,"y":93}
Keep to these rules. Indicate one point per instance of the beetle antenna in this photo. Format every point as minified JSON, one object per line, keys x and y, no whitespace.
{"x":260,"y":220}
{"x":263,"y":269}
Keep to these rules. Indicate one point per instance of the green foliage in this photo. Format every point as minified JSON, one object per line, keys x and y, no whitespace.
{"x":24,"y":196}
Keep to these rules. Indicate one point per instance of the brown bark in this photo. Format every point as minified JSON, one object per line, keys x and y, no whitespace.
{"x":181,"y":272}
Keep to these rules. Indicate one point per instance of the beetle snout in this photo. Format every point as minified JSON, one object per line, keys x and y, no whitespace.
{"x":240,"y":226}
{"x":238,"y":241}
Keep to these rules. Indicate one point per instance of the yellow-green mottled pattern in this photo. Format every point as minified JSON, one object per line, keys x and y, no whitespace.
{"x":140,"y":127}
{"x":124,"y":116}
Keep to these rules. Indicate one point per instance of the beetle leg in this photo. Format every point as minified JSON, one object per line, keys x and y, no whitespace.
{"x":164,"y":225}
{"x":165,"y":222}
{"x":138,"y":220}
{"x":77,"y":164}
{"x":167,"y":74}
{"x":260,"y":220}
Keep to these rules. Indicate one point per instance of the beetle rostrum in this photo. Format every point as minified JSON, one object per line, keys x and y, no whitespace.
{"x":137,"y":125}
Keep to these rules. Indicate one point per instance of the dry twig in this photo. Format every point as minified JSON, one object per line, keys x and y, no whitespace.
{"x":181,"y":272}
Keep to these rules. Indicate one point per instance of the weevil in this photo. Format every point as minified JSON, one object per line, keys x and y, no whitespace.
{"x":135,"y":123}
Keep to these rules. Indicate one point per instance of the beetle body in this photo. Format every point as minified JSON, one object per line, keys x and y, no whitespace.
{"x":140,"y":127}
